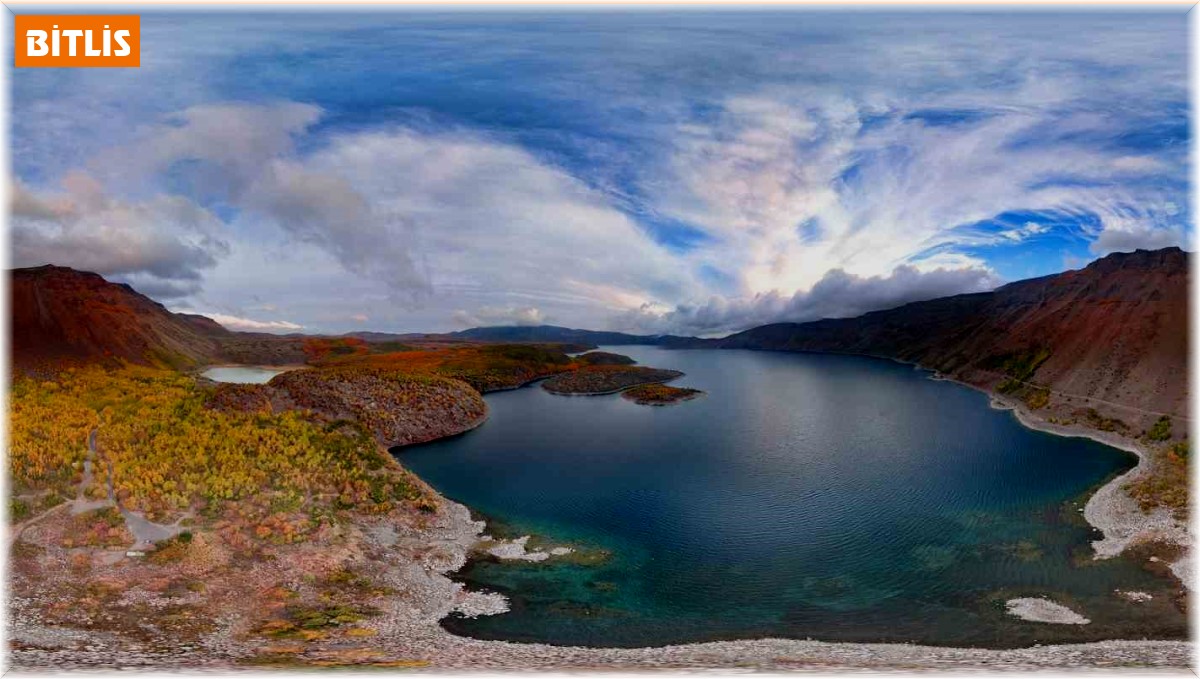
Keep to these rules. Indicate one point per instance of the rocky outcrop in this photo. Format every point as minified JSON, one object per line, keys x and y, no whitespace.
{"x":604,"y":358}
{"x":396,"y":409}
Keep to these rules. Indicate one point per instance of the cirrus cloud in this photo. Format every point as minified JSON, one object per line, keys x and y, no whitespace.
{"x":725,"y":170}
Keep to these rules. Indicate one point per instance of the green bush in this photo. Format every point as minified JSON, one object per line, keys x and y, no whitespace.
{"x":1181,"y":450}
{"x":1161,"y":431}
{"x":18,"y":510}
{"x":1037,"y":399}
{"x":1103,"y":423}
{"x":1018,"y":365}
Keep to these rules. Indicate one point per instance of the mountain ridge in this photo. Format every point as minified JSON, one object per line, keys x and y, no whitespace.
{"x":62,"y":315}
{"x":555,"y":333}
{"x":1114,"y":331}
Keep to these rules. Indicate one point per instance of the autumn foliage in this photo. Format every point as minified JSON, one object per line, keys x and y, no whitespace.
{"x":273,"y":462}
{"x":169,"y":453}
{"x":488,"y":367}
{"x":659,"y":394}
{"x":603,"y":379}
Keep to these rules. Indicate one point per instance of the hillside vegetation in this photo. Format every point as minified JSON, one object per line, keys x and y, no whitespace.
{"x":659,"y":394}
{"x":167,"y":454}
{"x":308,"y":439}
{"x":605,"y":379}
{"x":487,"y":367}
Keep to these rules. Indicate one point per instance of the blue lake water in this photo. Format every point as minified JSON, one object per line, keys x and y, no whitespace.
{"x":806,"y":496}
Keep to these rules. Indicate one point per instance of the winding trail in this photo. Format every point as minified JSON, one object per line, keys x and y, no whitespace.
{"x":81,"y":504}
{"x":77,"y":506}
{"x":145,"y":532}
{"x":1092,"y":399}
{"x":16,"y":531}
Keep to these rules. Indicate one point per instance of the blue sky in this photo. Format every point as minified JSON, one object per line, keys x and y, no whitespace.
{"x":685,"y":171}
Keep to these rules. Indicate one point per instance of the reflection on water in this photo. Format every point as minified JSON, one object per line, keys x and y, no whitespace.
{"x":832,"y":497}
{"x":240,"y":374}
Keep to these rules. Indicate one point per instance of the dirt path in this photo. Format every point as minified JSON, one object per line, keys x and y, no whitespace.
{"x":77,"y":506}
{"x":145,"y":532}
{"x":1091,"y":399}
{"x":81,"y":504}
{"x":15,"y":532}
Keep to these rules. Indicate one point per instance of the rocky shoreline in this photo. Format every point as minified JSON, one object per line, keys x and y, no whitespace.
{"x":408,"y":633}
{"x":418,"y":634}
{"x":1110,"y":509}
{"x":420,"y":560}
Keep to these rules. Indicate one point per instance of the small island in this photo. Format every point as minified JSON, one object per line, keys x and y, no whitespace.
{"x":604,"y":358}
{"x":660,"y":394}
{"x":606,"y":379}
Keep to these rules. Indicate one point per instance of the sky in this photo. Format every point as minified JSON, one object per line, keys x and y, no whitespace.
{"x":689,"y":172}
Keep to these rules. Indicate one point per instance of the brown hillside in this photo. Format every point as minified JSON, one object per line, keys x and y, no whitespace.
{"x":1114,"y":331}
{"x":63,"y":315}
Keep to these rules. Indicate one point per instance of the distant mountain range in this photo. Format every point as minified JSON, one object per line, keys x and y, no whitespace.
{"x":523,"y":334}
{"x":553,"y":333}
{"x":1116,"y":330}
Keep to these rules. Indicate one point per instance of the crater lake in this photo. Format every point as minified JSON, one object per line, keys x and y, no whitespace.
{"x":838,"y":498}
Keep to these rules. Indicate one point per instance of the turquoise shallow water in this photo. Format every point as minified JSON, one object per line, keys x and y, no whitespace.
{"x":806,"y":496}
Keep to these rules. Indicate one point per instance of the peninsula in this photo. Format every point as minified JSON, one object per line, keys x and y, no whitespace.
{"x":161,"y":520}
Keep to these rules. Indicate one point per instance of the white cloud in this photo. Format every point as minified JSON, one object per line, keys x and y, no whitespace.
{"x":811,"y":168}
{"x":247,"y":324}
{"x":419,"y":214}
{"x":753,"y":176}
{"x":224,"y":145}
{"x":453,"y":212}
{"x":1028,"y":230}
{"x":837,"y":295}
{"x":326,"y":210}
{"x":163,"y":241}
{"x":791,"y":187}
{"x":488,"y":316}
{"x":1128,"y":234}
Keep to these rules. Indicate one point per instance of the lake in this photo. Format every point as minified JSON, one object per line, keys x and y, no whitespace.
{"x":242,"y":374}
{"x":814,"y":496}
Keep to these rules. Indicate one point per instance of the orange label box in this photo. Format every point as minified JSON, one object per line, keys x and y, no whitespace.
{"x":78,"y":40}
